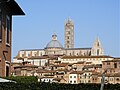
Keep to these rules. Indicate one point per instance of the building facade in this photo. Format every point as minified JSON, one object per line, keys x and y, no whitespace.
{"x":7,"y":9}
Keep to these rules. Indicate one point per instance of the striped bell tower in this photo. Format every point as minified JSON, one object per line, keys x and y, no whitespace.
{"x":69,"y":33}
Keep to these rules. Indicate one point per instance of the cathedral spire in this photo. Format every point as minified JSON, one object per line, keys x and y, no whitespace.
{"x":97,"y":42}
{"x":97,"y":48}
{"x":69,"y":19}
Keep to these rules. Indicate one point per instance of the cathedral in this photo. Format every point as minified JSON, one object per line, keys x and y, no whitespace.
{"x":66,"y":64}
{"x":55,"y":48}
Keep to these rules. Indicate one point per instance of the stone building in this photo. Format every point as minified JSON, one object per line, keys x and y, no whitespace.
{"x":8,"y":8}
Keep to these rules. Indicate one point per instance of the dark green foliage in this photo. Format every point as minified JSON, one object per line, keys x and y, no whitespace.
{"x":23,"y":79}
{"x":30,"y":83}
{"x":55,"y":86}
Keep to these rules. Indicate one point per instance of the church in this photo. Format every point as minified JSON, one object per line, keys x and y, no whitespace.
{"x":55,"y":48}
{"x":66,"y":64}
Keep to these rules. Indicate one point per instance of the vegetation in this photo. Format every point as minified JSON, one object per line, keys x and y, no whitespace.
{"x":54,"y":86}
{"x":23,"y":79}
{"x":30,"y":83}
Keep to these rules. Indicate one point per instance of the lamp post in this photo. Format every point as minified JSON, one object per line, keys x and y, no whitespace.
{"x":103,"y":80}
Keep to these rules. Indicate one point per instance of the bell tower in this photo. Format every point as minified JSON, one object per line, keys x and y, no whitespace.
{"x":69,"y":33}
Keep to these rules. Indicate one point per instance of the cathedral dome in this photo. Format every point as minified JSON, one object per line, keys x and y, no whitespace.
{"x":54,"y":43}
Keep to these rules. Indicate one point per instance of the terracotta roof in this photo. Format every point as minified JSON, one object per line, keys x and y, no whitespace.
{"x":41,"y":71}
{"x":117,"y":74}
{"x":114,"y":60}
{"x":31,"y":49}
{"x":95,"y":73}
{"x":57,"y":79}
{"x":62,"y":65}
{"x":82,"y":62}
{"x":78,"y":49}
{"x":47,"y":77}
{"x":76,"y":72}
{"x":88,"y":62}
{"x":93,"y":66}
{"x":20,"y":58}
{"x":111,"y":75}
{"x":27,"y":65}
{"x":38,"y":57}
{"x":45,"y":71}
{"x":118,"y":58}
{"x":72,"y":57}
{"x":88,"y":71}
{"x":12,"y":63}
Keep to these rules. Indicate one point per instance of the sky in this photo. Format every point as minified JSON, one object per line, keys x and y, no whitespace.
{"x":92,"y":19}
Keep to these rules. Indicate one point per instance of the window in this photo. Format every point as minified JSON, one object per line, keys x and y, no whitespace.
{"x":80,"y":77}
{"x":68,"y":32}
{"x":111,"y":79}
{"x":88,"y":76}
{"x":35,"y":53}
{"x":67,"y":46}
{"x":115,"y":65}
{"x":85,"y":76}
{"x":98,"y":52}
{"x":0,"y":26}
{"x":74,"y":81}
{"x":41,"y":53}
{"x":7,"y":30}
{"x":74,"y":76}
{"x":70,"y":76}
{"x":67,"y":41}
{"x":108,"y":63}
{"x":98,"y":44}
{"x":29,"y":55}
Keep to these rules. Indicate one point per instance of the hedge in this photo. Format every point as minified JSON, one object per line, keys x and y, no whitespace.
{"x":30,"y":83}
{"x":23,"y":79}
{"x":55,"y":86}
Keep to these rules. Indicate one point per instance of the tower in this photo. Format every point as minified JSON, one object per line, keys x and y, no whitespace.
{"x":8,"y":8}
{"x":69,"y":34}
{"x":97,"y":48}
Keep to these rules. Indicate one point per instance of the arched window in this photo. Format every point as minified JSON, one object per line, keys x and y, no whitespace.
{"x":85,"y":76}
{"x":97,"y":51}
{"x":68,"y":46}
{"x":98,"y":44}
{"x":41,"y":53}
{"x":90,"y":53}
